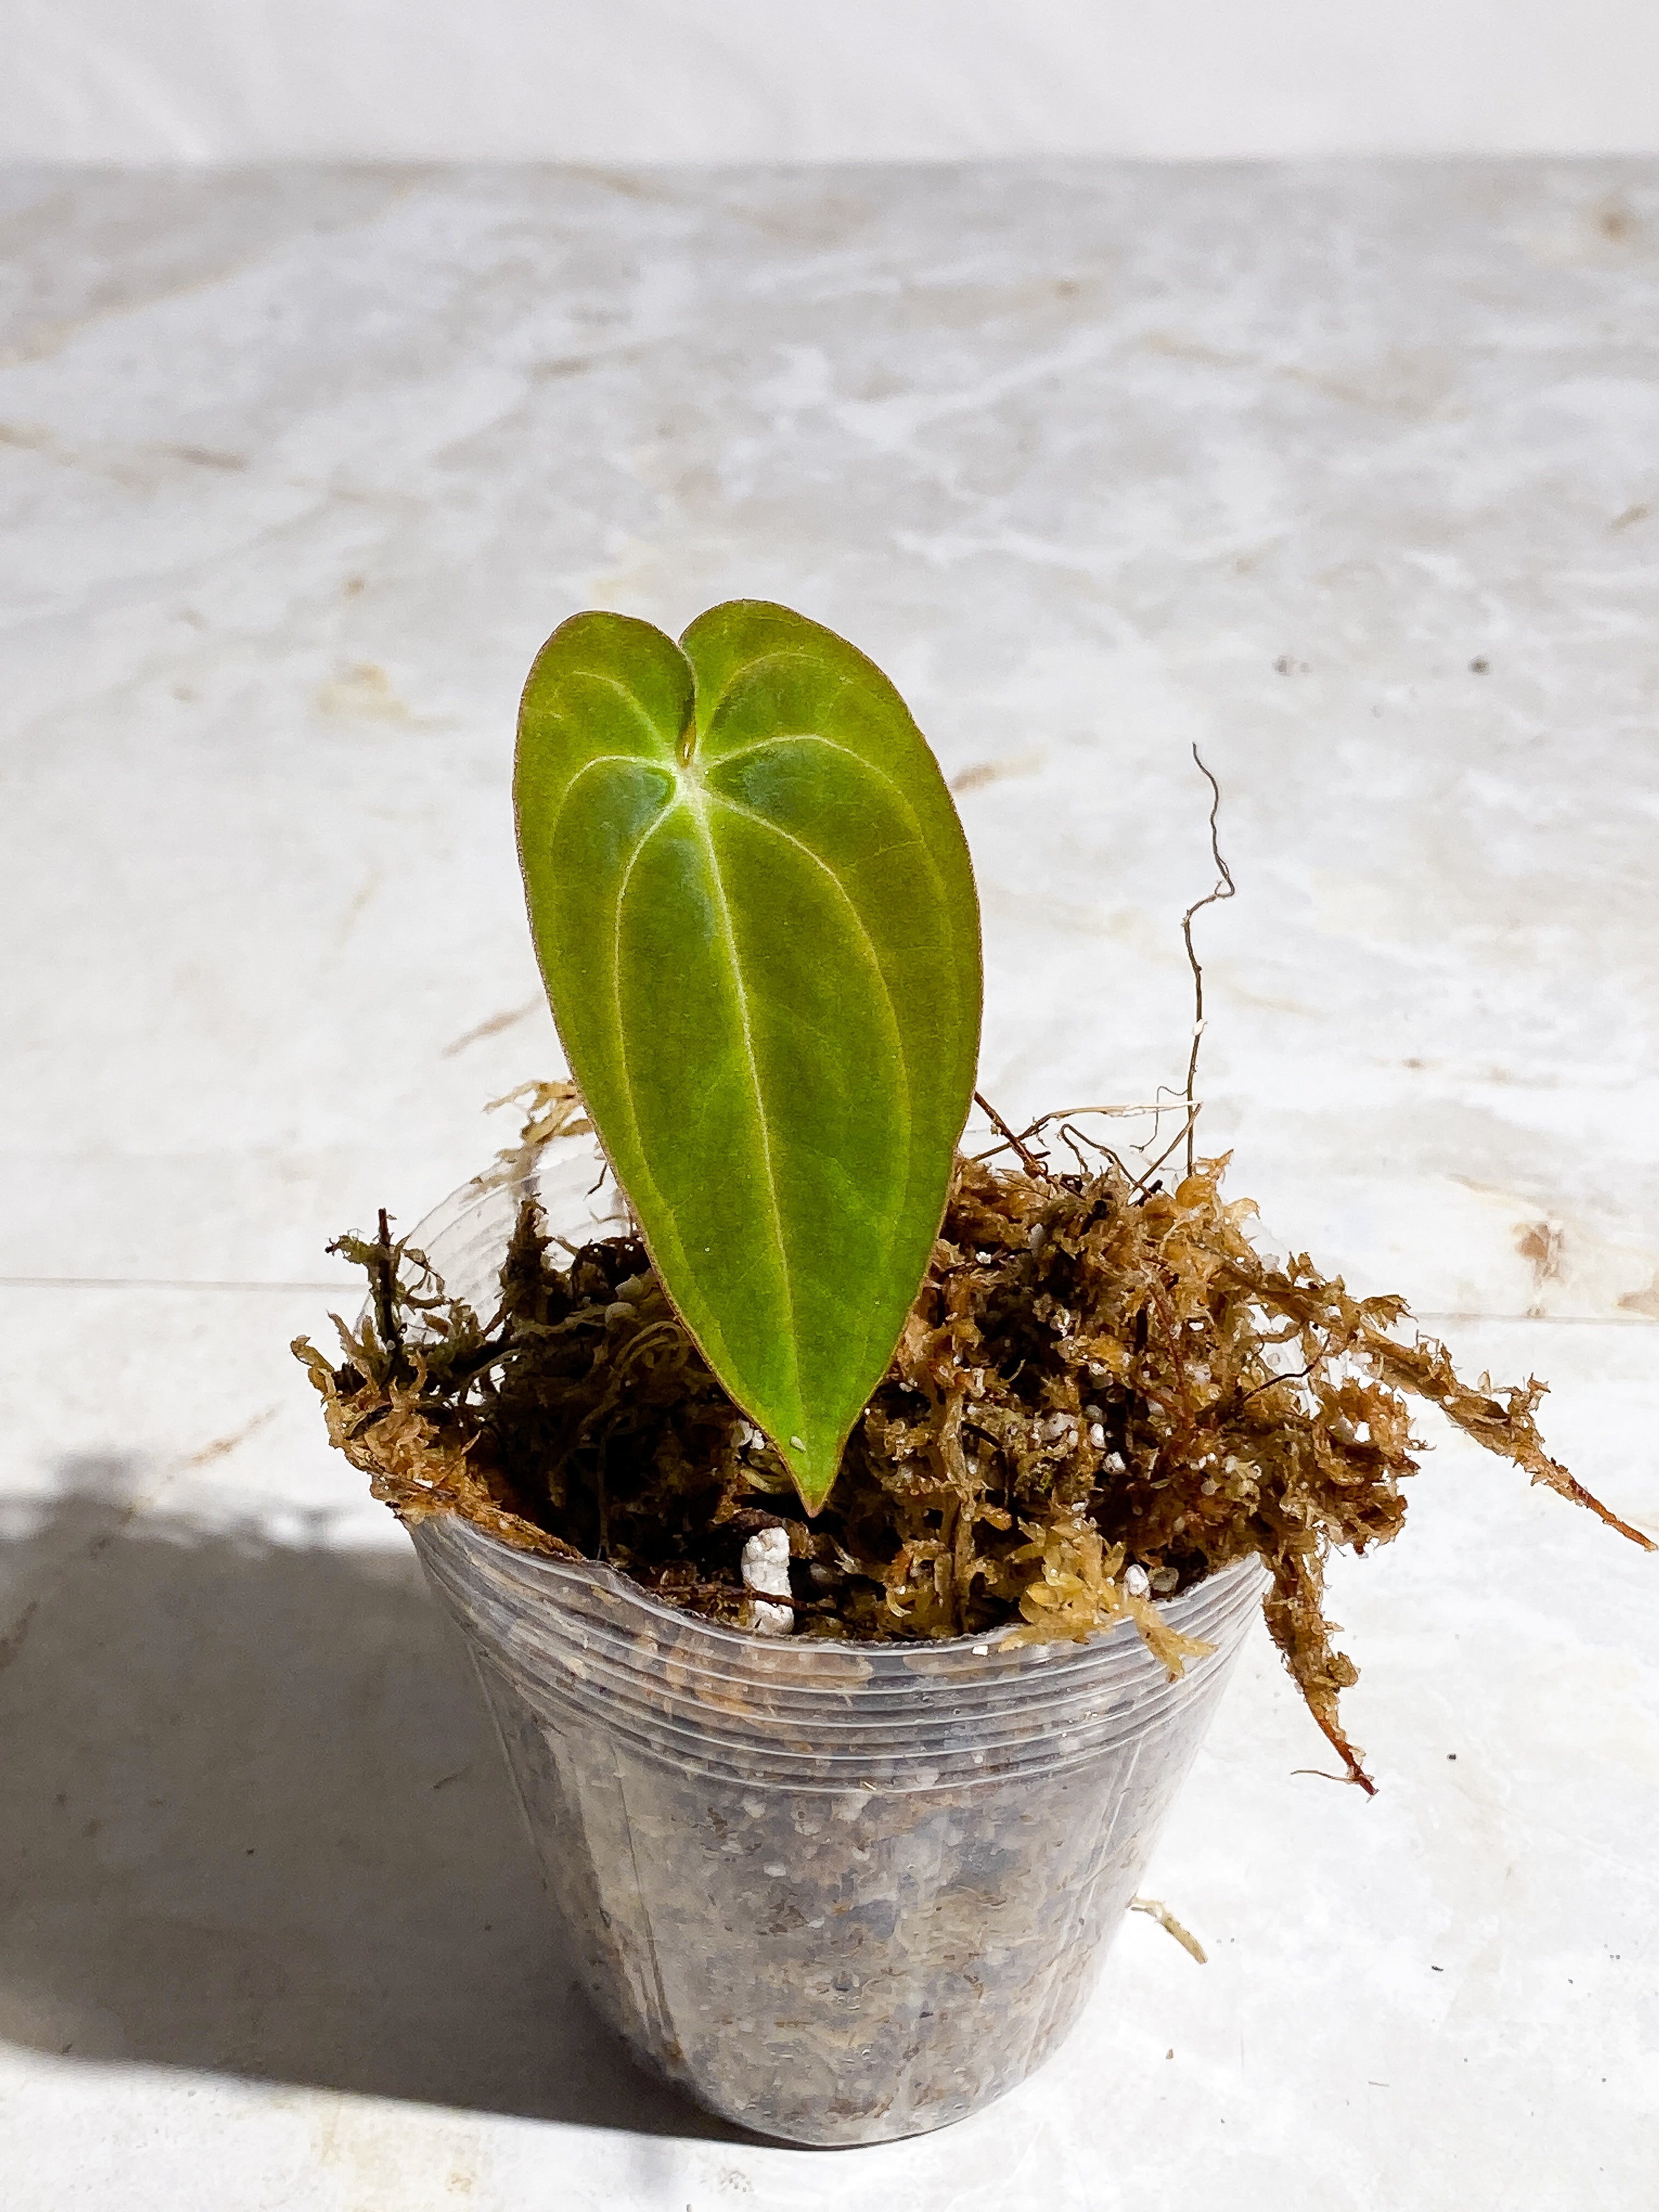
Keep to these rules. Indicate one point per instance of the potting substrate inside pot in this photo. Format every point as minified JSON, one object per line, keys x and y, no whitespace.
{"x":856,"y":1882}
{"x":837,"y":1892}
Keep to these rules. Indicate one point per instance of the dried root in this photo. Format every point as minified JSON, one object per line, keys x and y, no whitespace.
{"x":1101,"y":1395}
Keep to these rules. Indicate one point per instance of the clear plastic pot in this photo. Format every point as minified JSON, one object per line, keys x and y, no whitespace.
{"x":837,"y":1892}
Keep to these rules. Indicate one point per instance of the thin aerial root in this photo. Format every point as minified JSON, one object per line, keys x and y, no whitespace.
{"x":1027,"y":1160}
{"x":1225,"y":888}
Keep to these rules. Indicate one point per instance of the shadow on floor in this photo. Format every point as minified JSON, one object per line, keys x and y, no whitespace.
{"x":253,"y":1819}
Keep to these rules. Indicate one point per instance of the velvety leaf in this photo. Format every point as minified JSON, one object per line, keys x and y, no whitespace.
{"x":754,"y":910}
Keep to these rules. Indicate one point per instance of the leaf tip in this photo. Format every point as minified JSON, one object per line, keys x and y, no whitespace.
{"x":813,"y":1469}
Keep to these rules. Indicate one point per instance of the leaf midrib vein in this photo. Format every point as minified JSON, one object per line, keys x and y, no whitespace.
{"x":640,"y":1154}
{"x":697,"y":811}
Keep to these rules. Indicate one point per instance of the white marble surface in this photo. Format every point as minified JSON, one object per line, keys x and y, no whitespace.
{"x":295,"y":472}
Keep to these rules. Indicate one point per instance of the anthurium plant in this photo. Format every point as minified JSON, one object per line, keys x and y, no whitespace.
{"x":900,"y":1389}
{"x":756,"y":917}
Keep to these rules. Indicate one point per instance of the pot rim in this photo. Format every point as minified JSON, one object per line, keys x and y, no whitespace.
{"x":1221,"y":1583}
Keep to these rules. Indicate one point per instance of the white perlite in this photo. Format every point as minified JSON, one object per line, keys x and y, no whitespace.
{"x":765,"y":1565}
{"x":1136,"y":1581}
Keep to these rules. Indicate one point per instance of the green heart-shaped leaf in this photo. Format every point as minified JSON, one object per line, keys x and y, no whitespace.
{"x":755,"y":913}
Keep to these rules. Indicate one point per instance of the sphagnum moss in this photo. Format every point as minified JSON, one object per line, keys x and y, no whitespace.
{"x":1102,"y":1394}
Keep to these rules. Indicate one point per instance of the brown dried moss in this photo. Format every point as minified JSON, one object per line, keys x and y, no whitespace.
{"x":1094,"y":1376}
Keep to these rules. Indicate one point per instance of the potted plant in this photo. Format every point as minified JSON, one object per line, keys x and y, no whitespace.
{"x":853,"y":1534}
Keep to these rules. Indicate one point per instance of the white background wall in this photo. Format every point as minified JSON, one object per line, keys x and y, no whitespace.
{"x":604,"y":80}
